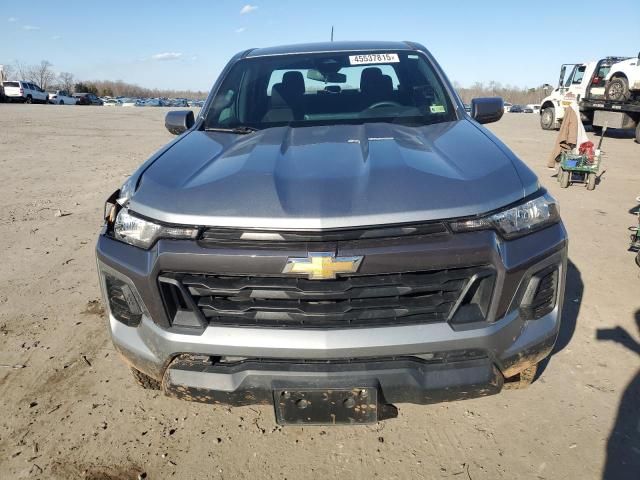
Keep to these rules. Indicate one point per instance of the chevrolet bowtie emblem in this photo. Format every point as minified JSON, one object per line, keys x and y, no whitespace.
{"x":322,"y":266}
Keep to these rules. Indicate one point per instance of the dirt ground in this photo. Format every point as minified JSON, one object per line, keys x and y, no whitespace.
{"x":73,"y":411}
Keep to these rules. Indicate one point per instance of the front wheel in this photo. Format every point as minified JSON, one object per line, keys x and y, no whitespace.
{"x":564,"y":178}
{"x":547,"y":118}
{"x":61,"y":102}
{"x":28,"y":99}
{"x":591,"y":181}
{"x":617,"y":89}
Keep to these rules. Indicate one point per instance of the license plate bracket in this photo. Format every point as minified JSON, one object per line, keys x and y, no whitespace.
{"x":323,"y":406}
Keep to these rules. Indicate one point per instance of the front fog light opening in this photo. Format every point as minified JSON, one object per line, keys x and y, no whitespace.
{"x":541,"y":294}
{"x":122,"y":297}
{"x":122,"y":302}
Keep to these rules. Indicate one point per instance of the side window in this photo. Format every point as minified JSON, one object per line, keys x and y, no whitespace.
{"x":567,"y":82}
{"x":579,"y":75}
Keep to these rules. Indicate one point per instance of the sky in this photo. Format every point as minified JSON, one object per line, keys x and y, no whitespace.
{"x":185,"y":45}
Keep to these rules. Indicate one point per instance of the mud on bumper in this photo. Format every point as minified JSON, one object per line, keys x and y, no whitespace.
{"x":399,"y":380}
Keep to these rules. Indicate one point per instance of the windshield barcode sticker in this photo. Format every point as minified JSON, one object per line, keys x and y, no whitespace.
{"x":373,"y":58}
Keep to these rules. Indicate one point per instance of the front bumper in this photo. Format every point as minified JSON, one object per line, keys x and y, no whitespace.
{"x":401,"y":380}
{"x":509,"y":343}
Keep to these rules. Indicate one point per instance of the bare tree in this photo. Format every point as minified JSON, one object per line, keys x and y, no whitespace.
{"x":66,"y":81}
{"x":42,"y":74}
{"x":8,"y":72}
{"x":22,"y":70}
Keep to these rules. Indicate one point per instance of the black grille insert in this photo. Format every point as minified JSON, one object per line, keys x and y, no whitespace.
{"x":217,"y":236}
{"x":359,"y":300}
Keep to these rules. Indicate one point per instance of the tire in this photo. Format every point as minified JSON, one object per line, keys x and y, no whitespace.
{"x":522,"y":380}
{"x":638,"y":259}
{"x":28,"y":99}
{"x":564,"y":178}
{"x":638,"y":132}
{"x":61,"y":102}
{"x":548,"y":118}
{"x":144,"y":380}
{"x":591,"y":181}
{"x":617,"y":90}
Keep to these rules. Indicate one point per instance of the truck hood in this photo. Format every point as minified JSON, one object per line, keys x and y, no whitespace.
{"x":329,"y":176}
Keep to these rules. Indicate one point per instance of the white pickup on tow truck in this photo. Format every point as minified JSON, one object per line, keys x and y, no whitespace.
{"x":585,"y":86}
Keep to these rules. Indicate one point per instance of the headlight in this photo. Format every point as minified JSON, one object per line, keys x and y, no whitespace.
{"x":516,"y":221}
{"x":142,"y":233}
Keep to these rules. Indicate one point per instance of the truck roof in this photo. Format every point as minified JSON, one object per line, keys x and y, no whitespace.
{"x":328,"y":47}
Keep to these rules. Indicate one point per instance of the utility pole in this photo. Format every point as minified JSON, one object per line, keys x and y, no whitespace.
{"x":332,"y":33}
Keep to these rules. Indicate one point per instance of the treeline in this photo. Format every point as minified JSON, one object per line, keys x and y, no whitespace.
{"x":119,"y":88}
{"x":43,"y":75}
{"x":509,"y":93}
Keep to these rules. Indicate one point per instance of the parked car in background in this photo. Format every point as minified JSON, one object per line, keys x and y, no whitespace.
{"x":87,"y":99}
{"x":25,"y":92}
{"x":153,"y":102}
{"x":535,"y":107}
{"x":128,"y":102}
{"x":507,"y":106}
{"x":527,"y":109}
{"x":516,"y":109}
{"x":62,"y":97}
{"x":132,"y":102}
{"x":179,"y":102}
{"x":467,"y":107}
{"x":112,"y":102}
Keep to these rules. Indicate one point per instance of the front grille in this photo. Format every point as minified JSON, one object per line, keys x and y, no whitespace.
{"x":359,"y":300}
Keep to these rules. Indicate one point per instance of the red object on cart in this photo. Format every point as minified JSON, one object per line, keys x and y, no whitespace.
{"x":586,"y":148}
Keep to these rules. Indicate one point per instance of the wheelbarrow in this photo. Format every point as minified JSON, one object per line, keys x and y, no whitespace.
{"x":578,"y":168}
{"x":575,"y":168}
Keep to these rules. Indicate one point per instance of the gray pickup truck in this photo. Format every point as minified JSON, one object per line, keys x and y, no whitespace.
{"x":332,"y":235}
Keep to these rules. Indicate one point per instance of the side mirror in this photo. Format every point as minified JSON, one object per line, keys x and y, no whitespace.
{"x":487,"y":110}
{"x":179,"y":121}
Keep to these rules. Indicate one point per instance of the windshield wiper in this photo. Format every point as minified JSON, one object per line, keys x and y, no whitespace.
{"x":242,"y":130}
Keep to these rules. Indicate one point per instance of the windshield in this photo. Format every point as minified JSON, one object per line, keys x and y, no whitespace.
{"x":330,"y":88}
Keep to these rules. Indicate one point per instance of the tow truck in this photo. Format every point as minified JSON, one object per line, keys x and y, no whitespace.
{"x":585,"y":85}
